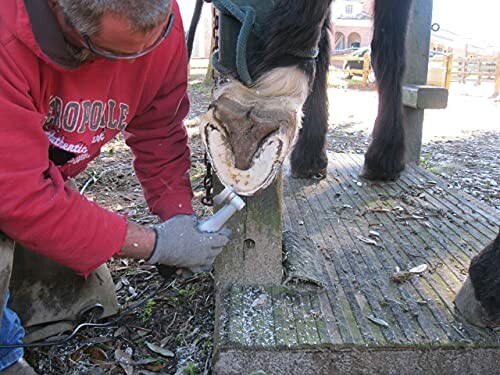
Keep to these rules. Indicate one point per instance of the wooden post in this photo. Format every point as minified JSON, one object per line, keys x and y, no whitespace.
{"x":480,"y":63}
{"x":497,"y":77}
{"x":417,"y":63}
{"x":366,"y":68}
{"x":254,"y":254}
{"x":449,"y":71}
{"x":209,"y":76}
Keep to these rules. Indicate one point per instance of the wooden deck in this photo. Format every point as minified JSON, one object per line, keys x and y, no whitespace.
{"x":350,"y":304}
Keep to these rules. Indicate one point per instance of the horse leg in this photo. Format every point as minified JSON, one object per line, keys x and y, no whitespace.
{"x":309,"y":158}
{"x":384,"y":158}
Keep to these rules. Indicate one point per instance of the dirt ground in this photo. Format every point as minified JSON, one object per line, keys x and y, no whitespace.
{"x":172,"y":331}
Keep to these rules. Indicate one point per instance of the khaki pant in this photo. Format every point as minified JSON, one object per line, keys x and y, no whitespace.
{"x":47,"y":297}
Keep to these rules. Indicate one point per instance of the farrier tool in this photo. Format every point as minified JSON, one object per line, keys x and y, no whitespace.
{"x":233,"y":203}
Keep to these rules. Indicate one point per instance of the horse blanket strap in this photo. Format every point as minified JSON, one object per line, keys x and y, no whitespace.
{"x":246,"y":16}
{"x":252,"y":17}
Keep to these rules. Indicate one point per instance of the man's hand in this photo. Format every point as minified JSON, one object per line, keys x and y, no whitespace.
{"x":179,"y":243}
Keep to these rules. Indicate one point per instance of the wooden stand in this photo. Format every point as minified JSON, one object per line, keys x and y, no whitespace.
{"x":254,"y":254}
{"x":417,"y":61}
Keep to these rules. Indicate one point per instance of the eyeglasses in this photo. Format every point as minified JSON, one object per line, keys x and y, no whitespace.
{"x":128,"y":56}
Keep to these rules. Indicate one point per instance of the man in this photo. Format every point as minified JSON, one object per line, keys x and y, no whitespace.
{"x":73,"y":74}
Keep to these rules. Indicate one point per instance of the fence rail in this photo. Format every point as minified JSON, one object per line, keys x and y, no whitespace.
{"x":442,"y":70}
{"x":337,"y":63}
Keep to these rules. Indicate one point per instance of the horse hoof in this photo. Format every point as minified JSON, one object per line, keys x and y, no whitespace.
{"x":380,"y":175}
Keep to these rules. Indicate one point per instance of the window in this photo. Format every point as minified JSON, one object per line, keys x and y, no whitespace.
{"x":348,"y":9}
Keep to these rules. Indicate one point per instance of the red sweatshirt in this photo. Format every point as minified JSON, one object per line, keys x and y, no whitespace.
{"x":56,"y":114}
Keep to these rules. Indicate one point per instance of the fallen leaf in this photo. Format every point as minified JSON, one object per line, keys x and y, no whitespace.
{"x":155,"y":367}
{"x":76,"y":355}
{"x":103,"y":364}
{"x":120,"y":331}
{"x":159,"y":350}
{"x":260,"y":302}
{"x":118,"y":285}
{"x":96,"y":353}
{"x":378,"y":321}
{"x":368,"y":241}
{"x":125,"y":361}
{"x":418,"y":269}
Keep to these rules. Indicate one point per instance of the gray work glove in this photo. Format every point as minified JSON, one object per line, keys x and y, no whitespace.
{"x":179,"y":243}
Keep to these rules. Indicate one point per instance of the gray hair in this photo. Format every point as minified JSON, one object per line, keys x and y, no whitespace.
{"x":86,"y":15}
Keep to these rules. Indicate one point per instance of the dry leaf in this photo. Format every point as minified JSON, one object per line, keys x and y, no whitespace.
{"x":96,"y":353}
{"x":368,"y":241}
{"x":118,"y":285}
{"x":103,"y":364}
{"x":260,"y":302}
{"x":155,"y":367}
{"x":125,"y":361}
{"x":418,"y":269}
{"x":378,"y":321}
{"x":76,"y":355}
{"x":159,"y":350}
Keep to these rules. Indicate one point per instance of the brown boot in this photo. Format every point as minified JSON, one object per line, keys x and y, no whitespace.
{"x":21,"y":367}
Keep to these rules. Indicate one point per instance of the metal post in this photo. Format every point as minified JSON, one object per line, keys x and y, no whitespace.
{"x":417,"y":61}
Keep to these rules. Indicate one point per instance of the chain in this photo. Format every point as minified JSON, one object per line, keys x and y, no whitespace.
{"x":208,"y":180}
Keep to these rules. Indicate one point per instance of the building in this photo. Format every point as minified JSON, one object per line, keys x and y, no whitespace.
{"x":352,"y":23}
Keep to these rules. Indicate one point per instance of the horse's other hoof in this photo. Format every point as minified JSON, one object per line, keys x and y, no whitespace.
{"x":471,"y":309}
{"x":315,"y":175}
{"x":380,"y":167}
{"x":380,"y":175}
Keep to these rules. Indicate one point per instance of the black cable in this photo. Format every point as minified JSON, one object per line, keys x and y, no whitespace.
{"x":82,"y":325}
{"x":193,"y":26}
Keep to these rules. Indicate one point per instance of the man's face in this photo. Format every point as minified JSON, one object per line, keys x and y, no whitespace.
{"x":115,"y":39}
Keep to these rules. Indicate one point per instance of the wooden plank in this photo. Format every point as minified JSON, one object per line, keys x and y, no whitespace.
{"x":425,"y":97}
{"x":233,"y":332}
{"x":434,"y":289}
{"x":253,"y":255}
{"x":258,"y":318}
{"x":362,"y":304}
{"x":354,"y":302}
{"x":307,"y":330}
{"x":441,"y":287}
{"x":285,"y":330}
{"x":399,"y":252}
{"x":323,"y":317}
{"x":340,"y":307}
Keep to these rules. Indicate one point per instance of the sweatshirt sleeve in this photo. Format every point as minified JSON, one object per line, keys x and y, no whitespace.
{"x":159,"y":142}
{"x":37,"y":209}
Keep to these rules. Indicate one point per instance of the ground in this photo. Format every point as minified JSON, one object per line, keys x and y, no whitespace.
{"x":172,"y":331}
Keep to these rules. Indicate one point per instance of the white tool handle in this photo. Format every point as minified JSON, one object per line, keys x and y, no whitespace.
{"x":217,"y":221}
